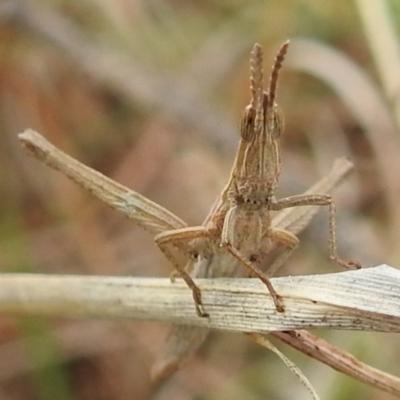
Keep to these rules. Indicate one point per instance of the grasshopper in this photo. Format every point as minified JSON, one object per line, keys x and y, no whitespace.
{"x":240,"y":222}
{"x":220,"y":243}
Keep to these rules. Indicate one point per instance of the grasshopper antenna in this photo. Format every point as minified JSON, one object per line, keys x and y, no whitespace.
{"x":257,"y":85}
{"x":273,"y":79}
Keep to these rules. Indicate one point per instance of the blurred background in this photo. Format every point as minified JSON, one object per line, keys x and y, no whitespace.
{"x":150,"y":93}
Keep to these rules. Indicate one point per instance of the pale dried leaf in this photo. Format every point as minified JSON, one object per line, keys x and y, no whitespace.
{"x":366,"y":299}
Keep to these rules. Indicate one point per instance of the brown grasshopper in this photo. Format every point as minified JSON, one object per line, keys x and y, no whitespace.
{"x":216,"y":242}
{"x":240,"y":222}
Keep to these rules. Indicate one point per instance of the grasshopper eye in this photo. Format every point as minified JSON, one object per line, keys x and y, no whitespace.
{"x":274,"y":122}
{"x":247,"y":124}
{"x":278,"y":122}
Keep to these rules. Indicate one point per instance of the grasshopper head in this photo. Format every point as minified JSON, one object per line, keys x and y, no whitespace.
{"x":259,"y":162}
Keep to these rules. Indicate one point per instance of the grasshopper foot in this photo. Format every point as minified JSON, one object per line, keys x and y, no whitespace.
{"x":346,"y":264}
{"x":174,"y":274}
{"x":275,"y":296}
{"x":198,"y":302}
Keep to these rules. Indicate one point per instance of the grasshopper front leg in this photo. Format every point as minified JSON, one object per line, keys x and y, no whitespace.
{"x":181,"y":238}
{"x":241,"y":239}
{"x":319,"y":200}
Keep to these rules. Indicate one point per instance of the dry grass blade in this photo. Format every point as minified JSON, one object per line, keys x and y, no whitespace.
{"x":125,"y":297}
{"x":263,"y":341}
{"x":365,"y":299}
{"x":383,"y":40}
{"x":147,"y":214}
{"x":344,"y":362}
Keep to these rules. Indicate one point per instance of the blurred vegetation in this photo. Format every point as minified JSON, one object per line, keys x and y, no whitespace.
{"x":150,"y":94}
